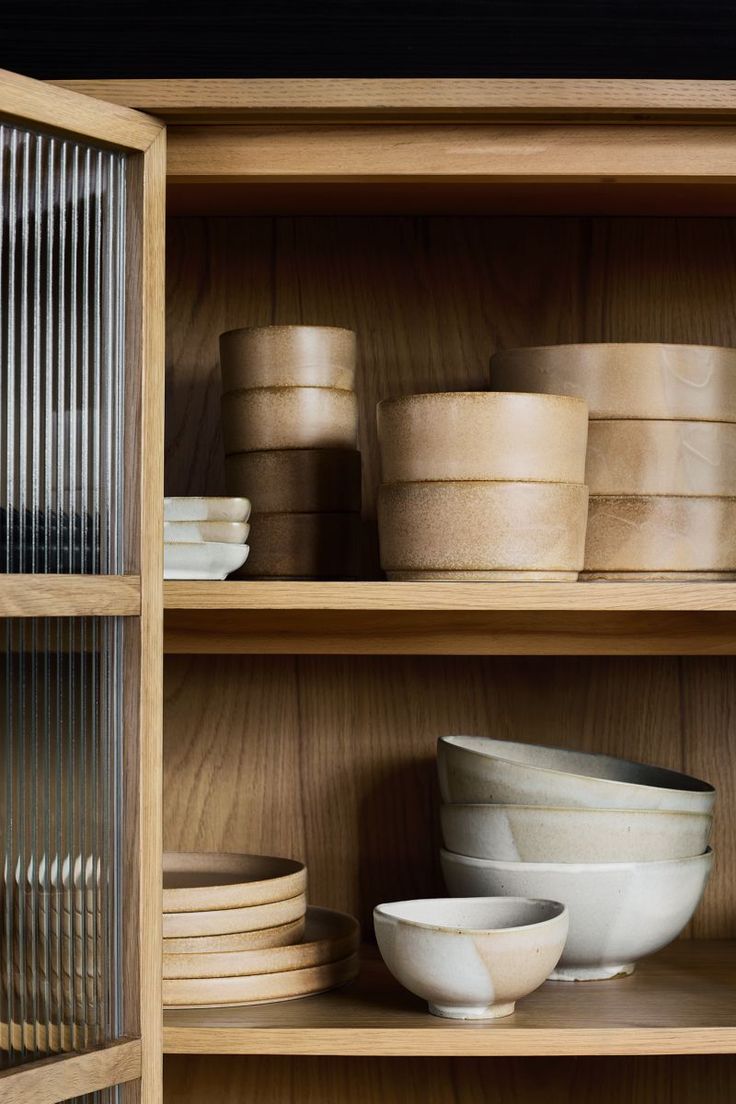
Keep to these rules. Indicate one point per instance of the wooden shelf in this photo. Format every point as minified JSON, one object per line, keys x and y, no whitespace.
{"x":682,"y":1001}
{"x":70,"y":595}
{"x":451,"y":618}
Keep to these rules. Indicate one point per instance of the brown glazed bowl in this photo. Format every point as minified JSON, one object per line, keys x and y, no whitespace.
{"x":289,"y":417}
{"x":303,"y":546}
{"x":286,"y":481}
{"x":628,"y":380}
{"x":477,"y":435}
{"x":288,"y":356}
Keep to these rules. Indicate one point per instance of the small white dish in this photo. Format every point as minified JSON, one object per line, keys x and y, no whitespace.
{"x":206,"y":509}
{"x":191,"y":532}
{"x":203,"y":560}
{"x":471,"y":958}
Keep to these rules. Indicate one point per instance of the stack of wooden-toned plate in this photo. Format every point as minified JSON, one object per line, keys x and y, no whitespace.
{"x":237,"y":930}
{"x":661,"y":464}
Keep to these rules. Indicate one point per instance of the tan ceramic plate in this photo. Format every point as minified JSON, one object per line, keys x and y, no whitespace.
{"x":287,"y":356}
{"x":287,"y":481}
{"x":281,"y":936}
{"x":216,"y":880}
{"x":318,"y":546}
{"x":289,"y":417}
{"x":328,"y":937}
{"x":259,"y":988}
{"x":225,"y":921}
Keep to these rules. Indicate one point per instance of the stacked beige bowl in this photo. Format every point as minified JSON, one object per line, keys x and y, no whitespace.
{"x":204,"y":538}
{"x":290,"y":425}
{"x":624,"y":845}
{"x":482,"y":486}
{"x":237,"y":930}
{"x":661,"y":467}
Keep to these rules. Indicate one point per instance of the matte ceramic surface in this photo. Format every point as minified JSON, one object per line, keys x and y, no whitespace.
{"x":191,"y":532}
{"x":206,"y":509}
{"x":282,"y":935}
{"x":482,"y":435}
{"x":482,"y":576}
{"x":259,"y":988}
{"x":318,"y":546}
{"x":202,"y":560}
{"x":629,"y":380}
{"x":476,"y":769}
{"x":661,"y":458}
{"x":289,"y":417}
{"x":466,"y":526}
{"x":619,"y":912}
{"x":471,"y":958}
{"x":329,"y":936}
{"x":660,"y":534}
{"x":538,"y":833}
{"x":227,"y":921}
{"x":287,"y":481}
{"x":211,"y":880}
{"x":658,"y":576}
{"x":288,"y":356}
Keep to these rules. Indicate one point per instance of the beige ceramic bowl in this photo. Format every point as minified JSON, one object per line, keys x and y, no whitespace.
{"x":282,"y":935}
{"x":481,"y":436}
{"x":229,"y":921}
{"x":538,"y":833}
{"x":660,"y":533}
{"x":287,"y":481}
{"x":304,"y":546}
{"x":630,"y":380}
{"x":661,"y":458}
{"x":211,"y":880}
{"x":478,"y":769}
{"x":220,"y":532}
{"x":288,"y":356}
{"x":192,"y":508}
{"x":467,"y":526}
{"x":289,"y":417}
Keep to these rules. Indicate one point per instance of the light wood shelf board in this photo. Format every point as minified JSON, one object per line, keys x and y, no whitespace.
{"x":70,"y":595}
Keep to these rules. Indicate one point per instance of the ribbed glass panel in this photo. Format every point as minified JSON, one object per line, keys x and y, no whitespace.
{"x":106,"y":1096}
{"x":62,"y":348}
{"x":61,"y":818}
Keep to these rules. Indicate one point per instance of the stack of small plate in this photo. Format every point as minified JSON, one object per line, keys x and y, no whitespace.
{"x":204,"y":538}
{"x":237,"y":930}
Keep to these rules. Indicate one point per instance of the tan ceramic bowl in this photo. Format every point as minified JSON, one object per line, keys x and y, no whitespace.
{"x":482,"y":527}
{"x":289,"y":417}
{"x":660,"y":534}
{"x":287,"y":481}
{"x":482,"y":436}
{"x":304,"y":546}
{"x":630,"y":380}
{"x":661,"y":458}
{"x":288,"y":356}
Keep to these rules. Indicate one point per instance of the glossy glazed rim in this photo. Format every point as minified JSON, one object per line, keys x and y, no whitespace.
{"x":705,"y":857}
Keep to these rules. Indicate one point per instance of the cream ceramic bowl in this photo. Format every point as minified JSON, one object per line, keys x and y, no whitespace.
{"x":202,"y":559}
{"x":538,"y":833}
{"x":192,"y":508}
{"x":191,"y":532}
{"x":619,"y":912}
{"x":482,"y":436}
{"x":288,"y":481}
{"x":628,"y":380}
{"x":471,"y":959}
{"x":482,"y":527}
{"x":289,"y":417}
{"x":288,"y":356}
{"x":475,"y":769}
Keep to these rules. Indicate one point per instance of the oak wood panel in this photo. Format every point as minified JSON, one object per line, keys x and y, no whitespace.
{"x":59,"y":1078}
{"x":70,"y":595}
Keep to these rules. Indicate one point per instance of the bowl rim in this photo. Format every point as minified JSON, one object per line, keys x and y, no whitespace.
{"x":560,"y":911}
{"x":550,"y":399}
{"x":613,"y":345}
{"x":598,"y":810}
{"x":704,"y":857}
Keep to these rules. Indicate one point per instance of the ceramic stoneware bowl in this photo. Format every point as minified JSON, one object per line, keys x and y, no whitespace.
{"x":287,"y":356}
{"x":472,"y":958}
{"x":191,"y":532}
{"x":304,"y":546}
{"x":192,"y":508}
{"x":482,"y":436}
{"x":288,"y":481}
{"x":619,"y":912}
{"x":538,"y":833}
{"x":289,"y":417}
{"x":202,"y":559}
{"x":476,"y":769}
{"x":628,"y":380}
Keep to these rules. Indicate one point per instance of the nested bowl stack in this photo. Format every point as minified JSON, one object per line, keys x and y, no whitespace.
{"x":237,"y":930}
{"x":205,"y":538}
{"x":661,"y":463}
{"x":290,"y":427}
{"x":481,"y":485}
{"x":623,"y":845}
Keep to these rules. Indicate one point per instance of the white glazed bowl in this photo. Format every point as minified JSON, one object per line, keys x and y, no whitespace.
{"x":476,"y":769}
{"x":619,"y":912}
{"x":202,"y":559}
{"x":206,"y":509}
{"x":538,"y":833}
{"x":471,"y":958}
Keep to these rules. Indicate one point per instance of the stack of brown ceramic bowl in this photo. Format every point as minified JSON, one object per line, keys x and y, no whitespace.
{"x":482,"y":486}
{"x":237,"y":930}
{"x":290,"y":424}
{"x":661,"y":465}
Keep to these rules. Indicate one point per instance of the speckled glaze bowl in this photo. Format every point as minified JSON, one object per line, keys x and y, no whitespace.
{"x":288,"y":356}
{"x":540,"y":833}
{"x":479,"y":769}
{"x":471,"y":959}
{"x":289,"y":417}
{"x":482,"y":528}
{"x":473,"y":435}
{"x":304,"y":546}
{"x":628,"y":380}
{"x":619,"y":912}
{"x":286,"y":481}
